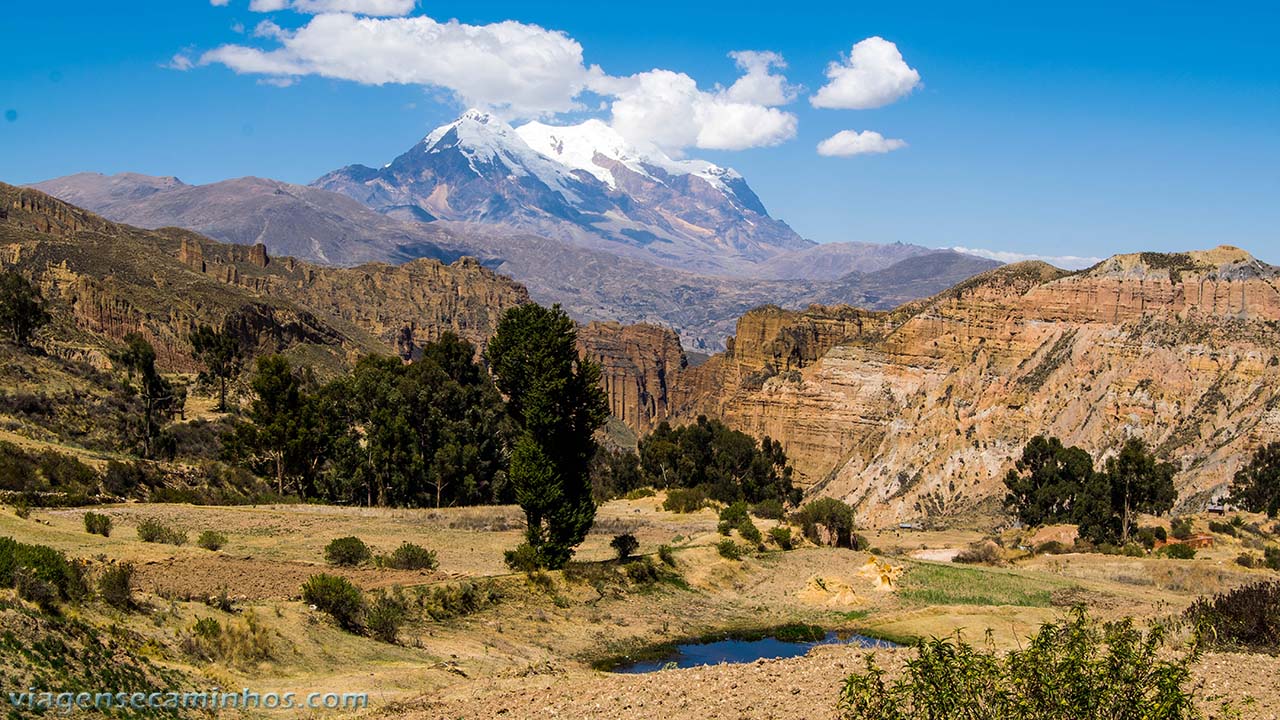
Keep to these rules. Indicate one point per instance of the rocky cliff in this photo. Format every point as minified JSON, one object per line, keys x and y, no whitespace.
{"x":921,"y":416}
{"x":112,"y":280}
{"x":640,"y":366}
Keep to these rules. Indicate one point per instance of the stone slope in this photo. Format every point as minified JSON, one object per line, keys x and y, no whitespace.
{"x":919,"y":412}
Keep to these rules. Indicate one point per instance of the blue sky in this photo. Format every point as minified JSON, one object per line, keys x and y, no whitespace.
{"x":1086,"y":129}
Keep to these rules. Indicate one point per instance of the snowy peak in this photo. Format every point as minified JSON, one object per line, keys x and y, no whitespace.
{"x":579,"y":146}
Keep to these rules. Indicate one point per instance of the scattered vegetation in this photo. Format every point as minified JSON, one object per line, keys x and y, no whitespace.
{"x":1178,"y":551}
{"x":22,"y":308}
{"x":347,"y":551}
{"x":239,"y":643}
{"x":667,"y":555}
{"x":729,"y":549}
{"x":386,"y":614}
{"x":834,"y":517}
{"x":680,"y":500}
{"x":1073,"y":669}
{"x":781,"y":536}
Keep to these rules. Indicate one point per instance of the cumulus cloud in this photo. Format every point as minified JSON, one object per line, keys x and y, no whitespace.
{"x":873,"y":76}
{"x":219,"y":3}
{"x":379,"y":8}
{"x":667,"y":110}
{"x":520,"y":70}
{"x":1066,"y":262}
{"x":509,"y":67}
{"x":759,"y":85}
{"x":852,"y":142}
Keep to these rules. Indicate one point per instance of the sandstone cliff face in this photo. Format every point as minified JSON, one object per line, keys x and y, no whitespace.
{"x":640,"y":365}
{"x":923,"y":420}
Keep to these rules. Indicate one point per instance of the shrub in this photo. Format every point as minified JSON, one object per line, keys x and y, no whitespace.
{"x":729,"y":550}
{"x":833,"y":515}
{"x":43,"y":563}
{"x":236,"y":643}
{"x":22,"y":510}
{"x":211,"y":540}
{"x":1247,"y":617}
{"x":448,"y":601}
{"x":1053,"y":547}
{"x":666,"y":555}
{"x":1149,"y":536}
{"x":1248,"y":560}
{"x":685,"y":500}
{"x":1072,"y":669}
{"x":523,"y":559}
{"x":750,"y":532}
{"x":1223,"y":528}
{"x":1133,"y":550}
{"x":411,"y":557}
{"x":385,"y":615}
{"x":347,"y":551}
{"x":624,"y":545}
{"x":980,"y":553}
{"x":153,"y":531}
{"x":1179,"y":551}
{"x":640,"y":492}
{"x":33,"y":589}
{"x":115,"y":586}
{"x":337,"y":597}
{"x":97,"y":524}
{"x":781,"y":536}
{"x":1181,"y":528}
{"x":732,"y":517}
{"x":1271,"y":557}
{"x":642,"y":572}
{"x":769,"y":509}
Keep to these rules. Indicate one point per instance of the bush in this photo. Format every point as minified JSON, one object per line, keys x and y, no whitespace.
{"x":1149,"y":536}
{"x":337,"y":597}
{"x":448,"y":601}
{"x":211,"y":540}
{"x":1271,"y":557}
{"x":732,"y":517}
{"x":1246,"y":617}
{"x":642,"y":572}
{"x":682,"y":500}
{"x":667,"y":555}
{"x":385,"y":615}
{"x":749,"y":532}
{"x":1181,"y":528}
{"x":1248,"y":560}
{"x":781,"y":536}
{"x":97,"y":524}
{"x":624,"y":545}
{"x":115,"y":586}
{"x":153,"y":531}
{"x":33,"y":589}
{"x":43,"y":563}
{"x":1072,"y":669}
{"x":768,"y":509}
{"x":640,"y":492}
{"x":1053,"y":547}
{"x":1223,"y":528}
{"x":347,"y":551}
{"x":1179,"y":551}
{"x":729,"y":549}
{"x":410,"y":557}
{"x":22,"y":510}
{"x":523,"y":559}
{"x":980,"y":553}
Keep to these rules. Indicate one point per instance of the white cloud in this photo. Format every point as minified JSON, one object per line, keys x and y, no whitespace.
{"x":1066,"y":262}
{"x":873,"y":76}
{"x":667,"y":109}
{"x":268,"y":5}
{"x":380,"y":8}
{"x":509,"y":67}
{"x":759,"y":85}
{"x":219,"y":3}
{"x":852,"y":142}
{"x":180,"y":61}
{"x":519,"y":70}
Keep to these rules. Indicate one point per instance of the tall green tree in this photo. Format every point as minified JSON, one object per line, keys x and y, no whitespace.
{"x":554,"y":396}
{"x":22,"y":308}
{"x":728,"y":464}
{"x":222,"y":355}
{"x":1256,"y":486}
{"x":1046,"y":480}
{"x":293,"y":426}
{"x":1139,"y":484}
{"x":160,"y":400}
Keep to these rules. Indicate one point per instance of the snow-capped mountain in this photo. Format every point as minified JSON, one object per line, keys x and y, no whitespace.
{"x":583,"y":183}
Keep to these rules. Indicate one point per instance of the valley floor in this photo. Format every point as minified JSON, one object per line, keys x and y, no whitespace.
{"x":531,"y":654}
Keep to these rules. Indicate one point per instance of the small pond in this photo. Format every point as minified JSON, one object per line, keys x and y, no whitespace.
{"x":732,"y":650}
